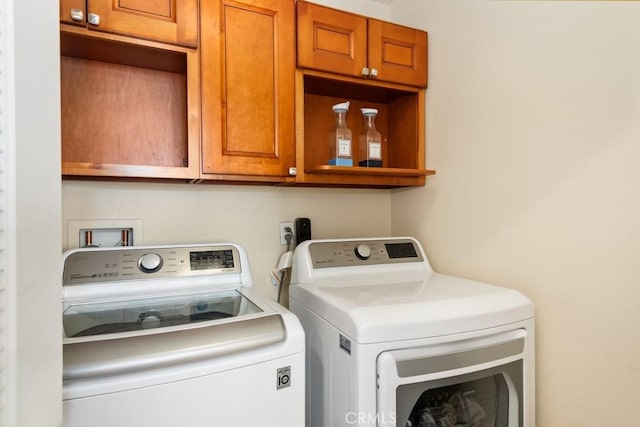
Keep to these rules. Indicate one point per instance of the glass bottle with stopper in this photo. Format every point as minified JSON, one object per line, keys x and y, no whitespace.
{"x":370,"y":140}
{"x":340,"y":140}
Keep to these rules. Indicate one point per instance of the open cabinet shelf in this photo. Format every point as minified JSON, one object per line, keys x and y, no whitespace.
{"x":400,"y":120}
{"x":129,"y":107}
{"x":357,"y":170}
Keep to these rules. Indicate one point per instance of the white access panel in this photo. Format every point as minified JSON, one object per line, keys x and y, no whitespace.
{"x":249,"y":394}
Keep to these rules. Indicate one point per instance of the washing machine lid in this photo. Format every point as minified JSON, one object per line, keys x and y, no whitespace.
{"x":371,"y":311}
{"x":250,"y":324}
{"x":91,"y":319}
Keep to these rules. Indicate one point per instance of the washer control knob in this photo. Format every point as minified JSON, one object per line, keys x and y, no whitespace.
{"x":363,"y":251}
{"x":150,"y":263}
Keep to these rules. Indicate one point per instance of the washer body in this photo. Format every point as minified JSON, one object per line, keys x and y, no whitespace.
{"x":385,"y":335}
{"x":176,"y":335}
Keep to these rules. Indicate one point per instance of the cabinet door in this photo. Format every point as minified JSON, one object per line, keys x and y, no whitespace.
{"x":331,"y":40}
{"x":399,"y":54}
{"x":248,"y":67}
{"x":171,"y":21}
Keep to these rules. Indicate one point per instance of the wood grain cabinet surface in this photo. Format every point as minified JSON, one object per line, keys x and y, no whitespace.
{"x":170,"y":21}
{"x":345,"y":43}
{"x":247,"y":50}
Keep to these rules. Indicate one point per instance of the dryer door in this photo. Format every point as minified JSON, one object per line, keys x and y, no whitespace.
{"x":475,"y":382}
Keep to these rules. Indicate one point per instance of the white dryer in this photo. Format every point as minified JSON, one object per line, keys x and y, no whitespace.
{"x":392,"y":343}
{"x":172,"y":336}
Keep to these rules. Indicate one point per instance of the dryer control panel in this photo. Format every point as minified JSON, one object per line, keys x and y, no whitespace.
{"x":346,"y":253}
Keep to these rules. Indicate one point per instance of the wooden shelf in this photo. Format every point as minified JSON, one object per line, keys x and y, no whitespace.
{"x":356,"y":170}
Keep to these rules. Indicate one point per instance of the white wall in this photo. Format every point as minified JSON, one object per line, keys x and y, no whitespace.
{"x":248,"y":215}
{"x":37,"y":231}
{"x":533,"y":126}
{"x":379,"y":9}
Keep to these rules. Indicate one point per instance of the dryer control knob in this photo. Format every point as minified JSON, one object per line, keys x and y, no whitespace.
{"x":150,"y":263}
{"x":363,"y":251}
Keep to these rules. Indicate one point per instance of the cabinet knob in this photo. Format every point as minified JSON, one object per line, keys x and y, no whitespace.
{"x":365,"y":72}
{"x":374,"y":73}
{"x":77,"y":15}
{"x":293,"y":171}
{"x":93,"y":18}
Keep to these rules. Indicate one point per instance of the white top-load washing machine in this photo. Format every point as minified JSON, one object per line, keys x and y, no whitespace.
{"x":170,"y":336}
{"x":392,"y":343}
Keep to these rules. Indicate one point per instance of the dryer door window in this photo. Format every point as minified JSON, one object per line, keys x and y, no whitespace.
{"x":471,"y":383}
{"x":490,"y":401}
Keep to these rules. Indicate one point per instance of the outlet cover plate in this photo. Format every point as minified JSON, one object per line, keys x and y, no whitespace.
{"x":283,"y":226}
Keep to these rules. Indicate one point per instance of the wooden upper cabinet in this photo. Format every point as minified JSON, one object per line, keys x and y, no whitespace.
{"x":169,"y":21}
{"x":248,"y":66}
{"x":344,"y":43}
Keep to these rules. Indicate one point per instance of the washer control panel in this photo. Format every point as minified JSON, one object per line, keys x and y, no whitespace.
{"x":326,"y":254}
{"x":90,"y":266}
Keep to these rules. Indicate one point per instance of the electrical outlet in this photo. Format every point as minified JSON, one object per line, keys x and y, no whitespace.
{"x":283,"y":227}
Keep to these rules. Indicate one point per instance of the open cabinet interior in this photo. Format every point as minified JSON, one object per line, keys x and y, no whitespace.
{"x":124,"y":109}
{"x":398,"y":120}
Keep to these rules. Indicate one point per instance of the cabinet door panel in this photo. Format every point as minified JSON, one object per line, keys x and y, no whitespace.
{"x":250,"y":80}
{"x":247,"y":87}
{"x":331,"y":40}
{"x":399,"y":53}
{"x":172,"y":21}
